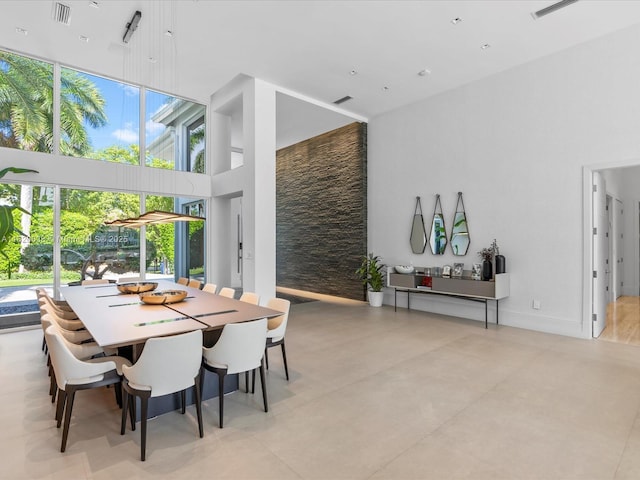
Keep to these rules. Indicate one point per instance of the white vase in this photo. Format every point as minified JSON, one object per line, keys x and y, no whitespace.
{"x":375,"y":298}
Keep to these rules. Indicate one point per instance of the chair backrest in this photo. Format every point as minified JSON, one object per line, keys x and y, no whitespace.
{"x":250,"y":297}
{"x":68,"y":323}
{"x":227,"y":292}
{"x":167,"y":364}
{"x":129,"y":279}
{"x":67,"y":367}
{"x":81,"y":351}
{"x":194,"y":283}
{"x":210,"y":287}
{"x":97,"y":281}
{"x":278,"y":325}
{"x":182,"y":281}
{"x":240,"y":346}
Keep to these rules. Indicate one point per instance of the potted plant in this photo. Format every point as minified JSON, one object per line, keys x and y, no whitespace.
{"x":370,"y":274}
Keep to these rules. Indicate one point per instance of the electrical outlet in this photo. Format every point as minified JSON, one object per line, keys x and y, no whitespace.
{"x":535,"y":304}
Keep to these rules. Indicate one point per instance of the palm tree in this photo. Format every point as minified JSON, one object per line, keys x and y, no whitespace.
{"x":26,"y":111}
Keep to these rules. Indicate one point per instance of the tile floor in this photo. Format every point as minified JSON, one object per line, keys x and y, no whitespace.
{"x":373,"y":394}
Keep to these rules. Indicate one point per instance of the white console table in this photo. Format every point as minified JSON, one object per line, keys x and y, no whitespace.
{"x":464,"y":288}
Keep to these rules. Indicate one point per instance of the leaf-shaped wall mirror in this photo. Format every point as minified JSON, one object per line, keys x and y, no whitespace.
{"x":418,"y":238}
{"x":438,"y":234}
{"x":460,"y":238}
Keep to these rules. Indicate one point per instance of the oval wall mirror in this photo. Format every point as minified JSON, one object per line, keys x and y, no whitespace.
{"x":460,"y":238}
{"x":418,"y":238}
{"x":438,"y":234}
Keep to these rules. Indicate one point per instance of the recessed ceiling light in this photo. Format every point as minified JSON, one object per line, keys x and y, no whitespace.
{"x":94,"y":4}
{"x":84,"y":38}
{"x":22,"y":31}
{"x":456,"y":20}
{"x":385,"y":89}
{"x":168,"y":33}
{"x":424,"y":72}
{"x":485,"y":46}
{"x":152,"y":60}
{"x":353,"y":72}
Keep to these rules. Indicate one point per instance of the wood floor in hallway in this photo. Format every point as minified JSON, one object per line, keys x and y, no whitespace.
{"x":623,"y":321}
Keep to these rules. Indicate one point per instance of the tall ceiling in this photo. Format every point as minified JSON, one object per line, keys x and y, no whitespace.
{"x":372,"y":51}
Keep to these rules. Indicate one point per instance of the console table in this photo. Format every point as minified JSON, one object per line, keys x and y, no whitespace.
{"x":464,"y":288}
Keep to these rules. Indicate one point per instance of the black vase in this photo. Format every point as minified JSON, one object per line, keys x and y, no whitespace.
{"x":501,"y":266}
{"x":487,"y":270}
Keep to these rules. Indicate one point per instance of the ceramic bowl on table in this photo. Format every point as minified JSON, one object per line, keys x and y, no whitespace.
{"x":404,"y":269}
{"x":136,"y":287}
{"x":163,"y":297}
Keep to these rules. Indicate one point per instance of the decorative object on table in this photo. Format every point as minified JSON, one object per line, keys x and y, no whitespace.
{"x":460,"y":239}
{"x":163,"y":297}
{"x":370,"y":274}
{"x":476,"y":271}
{"x":500,"y":261}
{"x":438,"y":234}
{"x":418,"y":238}
{"x":426,"y":282}
{"x":487,"y":263}
{"x":136,"y":287}
{"x":446,"y":271}
{"x":458,"y":268}
{"x":406,"y":269}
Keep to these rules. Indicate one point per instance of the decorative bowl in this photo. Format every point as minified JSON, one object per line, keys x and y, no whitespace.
{"x":137,"y":287}
{"x":404,"y":268}
{"x":163,"y":297}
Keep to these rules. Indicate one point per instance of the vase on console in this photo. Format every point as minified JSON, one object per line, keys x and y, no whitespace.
{"x":487,"y":270}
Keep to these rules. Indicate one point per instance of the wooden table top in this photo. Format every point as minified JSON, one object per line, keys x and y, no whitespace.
{"x":115,"y":319}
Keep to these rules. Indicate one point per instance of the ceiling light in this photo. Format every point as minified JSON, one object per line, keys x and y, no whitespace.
{"x":552,"y":8}
{"x":385,"y":89}
{"x":343,"y":99}
{"x":94,"y":4}
{"x":456,"y":20}
{"x":152,"y":60}
{"x":353,"y":72}
{"x":485,"y":46}
{"x":131,"y":26}
{"x":84,"y":39}
{"x":168,"y":33}
{"x":424,"y":72}
{"x":22,"y":31}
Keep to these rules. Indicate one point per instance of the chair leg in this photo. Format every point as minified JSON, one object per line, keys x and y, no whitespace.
{"x":183,"y":399}
{"x":67,"y":417}
{"x":253,"y":381}
{"x":264,"y":387}
{"x":196,"y":384}
{"x":266,"y":357}
{"x":284,"y":359}
{"x":62,"y":397}
{"x":221,"y":394}
{"x":246,"y":381}
{"x":143,"y":430}
{"x":118,"y":393}
{"x":125,"y":407}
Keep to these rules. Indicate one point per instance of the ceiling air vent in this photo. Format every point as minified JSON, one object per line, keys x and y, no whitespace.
{"x":552,"y":8}
{"x":346,"y":98}
{"x":62,"y":13}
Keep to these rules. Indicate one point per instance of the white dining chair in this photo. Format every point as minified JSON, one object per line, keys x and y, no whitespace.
{"x":277,"y":327}
{"x":210,"y":287}
{"x":250,"y":297}
{"x":193,"y":283}
{"x":72,"y":375}
{"x":182,"y":281}
{"x":240,"y":348}
{"x":227,"y":292}
{"x":166,"y":365}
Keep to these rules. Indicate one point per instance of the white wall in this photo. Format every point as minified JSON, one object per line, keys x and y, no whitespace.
{"x":515,"y":145}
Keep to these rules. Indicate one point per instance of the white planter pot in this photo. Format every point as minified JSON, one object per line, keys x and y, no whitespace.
{"x":375,"y":298}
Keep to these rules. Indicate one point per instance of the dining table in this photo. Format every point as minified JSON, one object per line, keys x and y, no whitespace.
{"x":123,"y":321}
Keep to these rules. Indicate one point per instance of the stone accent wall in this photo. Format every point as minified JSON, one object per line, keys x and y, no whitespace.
{"x":321,"y":212}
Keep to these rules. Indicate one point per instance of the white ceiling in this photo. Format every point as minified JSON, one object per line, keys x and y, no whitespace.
{"x":309,"y":47}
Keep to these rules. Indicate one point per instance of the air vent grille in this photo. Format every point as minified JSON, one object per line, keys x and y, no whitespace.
{"x":552,"y":8}
{"x":346,"y":98}
{"x":62,"y":13}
